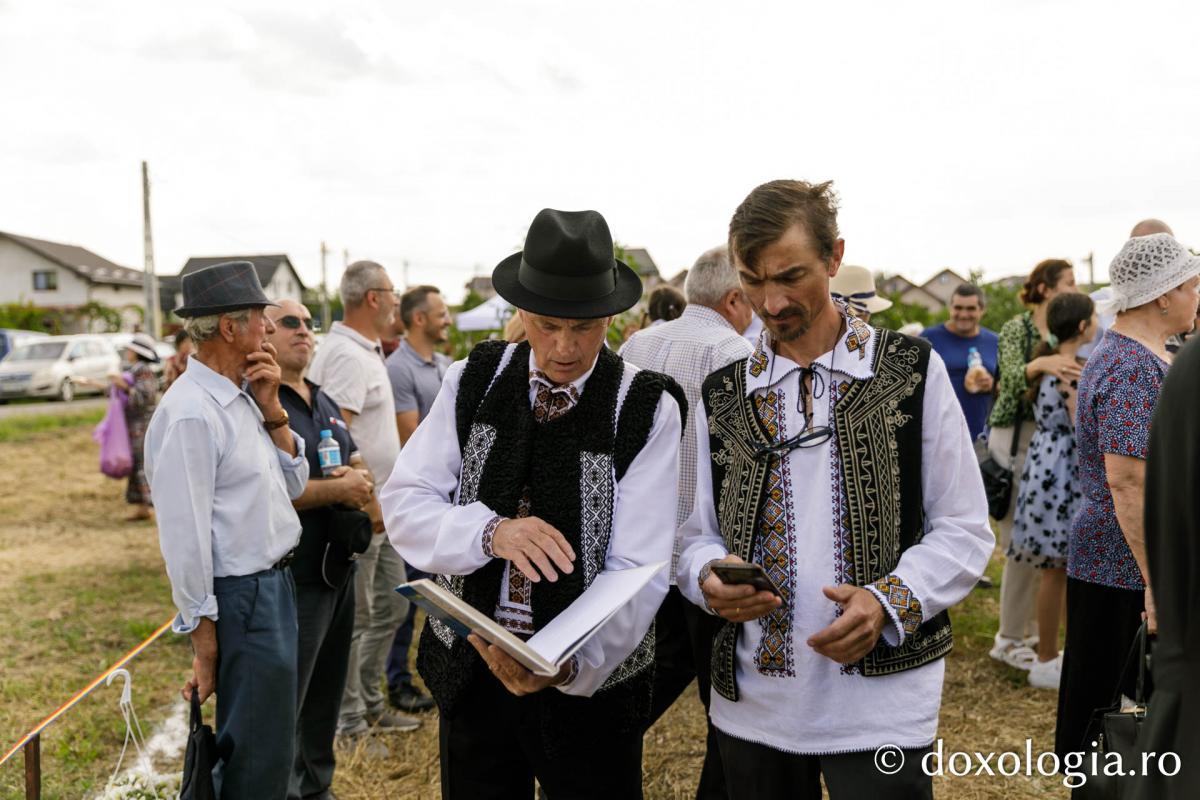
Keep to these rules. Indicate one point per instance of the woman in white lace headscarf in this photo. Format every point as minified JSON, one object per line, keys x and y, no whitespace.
{"x":1154,"y":294}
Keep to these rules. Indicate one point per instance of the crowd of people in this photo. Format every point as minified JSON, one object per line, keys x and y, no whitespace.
{"x":754,"y":424}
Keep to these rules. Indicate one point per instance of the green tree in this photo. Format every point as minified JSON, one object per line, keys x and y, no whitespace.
{"x":1003,"y":303}
{"x":902,"y":313}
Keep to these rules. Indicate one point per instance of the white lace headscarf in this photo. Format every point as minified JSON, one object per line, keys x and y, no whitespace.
{"x":1147,"y":267}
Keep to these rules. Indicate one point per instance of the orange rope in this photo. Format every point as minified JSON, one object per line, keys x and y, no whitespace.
{"x":85,"y":691}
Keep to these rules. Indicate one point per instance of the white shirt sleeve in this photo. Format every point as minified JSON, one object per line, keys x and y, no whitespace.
{"x":185,"y":470}
{"x":643,"y":531}
{"x":946,"y":564}
{"x":295,"y":468}
{"x":701,"y":539}
{"x":423,"y":523}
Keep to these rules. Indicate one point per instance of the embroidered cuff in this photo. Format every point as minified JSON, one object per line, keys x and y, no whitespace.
{"x":901,"y":604}
{"x":572,"y":672}
{"x":489,"y":533}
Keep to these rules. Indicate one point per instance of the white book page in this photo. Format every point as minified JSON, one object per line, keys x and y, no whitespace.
{"x":611,"y":590}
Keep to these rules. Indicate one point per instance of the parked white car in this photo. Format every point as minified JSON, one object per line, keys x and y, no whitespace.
{"x":48,"y":367}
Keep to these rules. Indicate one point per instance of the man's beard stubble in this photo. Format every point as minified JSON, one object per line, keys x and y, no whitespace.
{"x":798,"y":313}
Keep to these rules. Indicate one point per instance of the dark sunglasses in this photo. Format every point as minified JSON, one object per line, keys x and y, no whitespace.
{"x":293,"y":323}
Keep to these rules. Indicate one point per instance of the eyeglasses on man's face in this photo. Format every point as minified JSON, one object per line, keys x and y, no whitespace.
{"x":293,"y":322}
{"x":395,"y":293}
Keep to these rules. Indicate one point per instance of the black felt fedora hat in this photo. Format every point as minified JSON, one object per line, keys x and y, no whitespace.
{"x":567,"y":269}
{"x":221,"y":288}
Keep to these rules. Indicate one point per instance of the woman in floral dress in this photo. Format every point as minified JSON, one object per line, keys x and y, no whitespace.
{"x":1049,"y":491}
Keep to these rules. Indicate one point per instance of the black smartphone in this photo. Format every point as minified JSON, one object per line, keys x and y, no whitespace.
{"x":752,"y":574}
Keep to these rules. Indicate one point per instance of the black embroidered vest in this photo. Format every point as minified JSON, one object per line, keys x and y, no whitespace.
{"x":570,"y":465}
{"x":877,"y":424}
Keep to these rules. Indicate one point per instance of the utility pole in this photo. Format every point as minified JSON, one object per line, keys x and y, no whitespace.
{"x":324,"y":292}
{"x":150,"y":280}
{"x":1091,"y":262}
{"x":406,"y":274}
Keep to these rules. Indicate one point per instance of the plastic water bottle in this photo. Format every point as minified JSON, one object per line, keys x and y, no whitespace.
{"x":329,"y":453}
{"x":974,"y":360}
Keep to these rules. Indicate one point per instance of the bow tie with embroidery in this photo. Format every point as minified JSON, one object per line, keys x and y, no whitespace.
{"x":551,"y":401}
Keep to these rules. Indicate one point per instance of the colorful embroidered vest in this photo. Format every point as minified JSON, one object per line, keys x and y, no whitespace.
{"x":570,"y":466}
{"x":877,"y":426}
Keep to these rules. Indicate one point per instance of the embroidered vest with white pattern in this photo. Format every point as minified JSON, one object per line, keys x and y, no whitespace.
{"x":877,"y":502}
{"x":563,"y":469}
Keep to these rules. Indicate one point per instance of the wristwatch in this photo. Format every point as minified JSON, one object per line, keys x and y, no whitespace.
{"x":272,"y":424}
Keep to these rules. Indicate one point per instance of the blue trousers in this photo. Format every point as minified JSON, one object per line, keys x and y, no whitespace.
{"x":256,"y":685}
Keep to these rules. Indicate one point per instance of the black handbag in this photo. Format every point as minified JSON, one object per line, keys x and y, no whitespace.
{"x":997,"y":479}
{"x":349,"y":537}
{"x":200,"y":757}
{"x":1116,"y":731}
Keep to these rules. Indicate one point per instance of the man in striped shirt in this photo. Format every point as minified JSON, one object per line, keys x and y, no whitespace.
{"x":705,"y":338}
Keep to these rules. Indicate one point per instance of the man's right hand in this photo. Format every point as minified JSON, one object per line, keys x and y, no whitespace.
{"x":533,"y":546}
{"x":356,"y":489}
{"x":204,"y":662}
{"x":737,"y":602}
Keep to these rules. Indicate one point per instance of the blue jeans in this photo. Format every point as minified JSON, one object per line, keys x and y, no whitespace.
{"x":256,"y":684}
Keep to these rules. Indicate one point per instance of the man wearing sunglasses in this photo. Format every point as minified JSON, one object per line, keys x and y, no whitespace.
{"x":349,"y":368}
{"x":838,"y":459}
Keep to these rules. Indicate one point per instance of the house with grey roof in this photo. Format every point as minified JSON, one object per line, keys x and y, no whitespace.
{"x":65,"y":277}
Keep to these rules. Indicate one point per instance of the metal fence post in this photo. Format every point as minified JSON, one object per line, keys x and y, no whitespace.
{"x":33,"y":768}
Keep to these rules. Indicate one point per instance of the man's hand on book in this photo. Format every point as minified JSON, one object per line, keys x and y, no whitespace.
{"x":509,"y":671}
{"x":529,"y":542}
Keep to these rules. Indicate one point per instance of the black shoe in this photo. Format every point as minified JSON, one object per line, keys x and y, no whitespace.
{"x":409,"y":698}
{"x":985,"y":583}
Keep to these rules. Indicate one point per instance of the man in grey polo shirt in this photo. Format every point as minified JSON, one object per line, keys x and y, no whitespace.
{"x":349,"y":368}
{"x":415,"y":369}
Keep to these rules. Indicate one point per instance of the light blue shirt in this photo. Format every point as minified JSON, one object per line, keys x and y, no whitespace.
{"x":221,"y":489}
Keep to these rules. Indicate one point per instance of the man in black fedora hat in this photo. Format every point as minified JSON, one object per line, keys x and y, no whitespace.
{"x":540,"y":465}
{"x":223,"y":468}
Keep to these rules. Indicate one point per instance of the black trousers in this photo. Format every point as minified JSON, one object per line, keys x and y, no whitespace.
{"x":492,"y":749}
{"x":683,"y":653}
{"x":1102,"y":623}
{"x":326,"y":620}
{"x":757,"y":772}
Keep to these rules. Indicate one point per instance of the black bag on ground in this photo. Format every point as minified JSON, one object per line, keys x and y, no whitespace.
{"x":200,"y":758}
{"x":349,"y":537}
{"x":1116,"y":731}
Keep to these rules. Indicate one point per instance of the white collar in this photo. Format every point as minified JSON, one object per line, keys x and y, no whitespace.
{"x":855,"y":353}
{"x":356,"y":337}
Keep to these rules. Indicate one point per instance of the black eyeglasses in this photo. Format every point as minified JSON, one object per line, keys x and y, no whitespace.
{"x":292,"y":322}
{"x":812,"y":437}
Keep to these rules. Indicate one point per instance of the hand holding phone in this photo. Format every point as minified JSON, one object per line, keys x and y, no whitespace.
{"x":752,"y":574}
{"x":735,"y":595}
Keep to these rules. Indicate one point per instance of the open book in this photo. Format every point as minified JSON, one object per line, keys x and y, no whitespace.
{"x":547,"y":649}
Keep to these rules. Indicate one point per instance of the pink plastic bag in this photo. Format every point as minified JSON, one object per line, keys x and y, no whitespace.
{"x":112,"y":434}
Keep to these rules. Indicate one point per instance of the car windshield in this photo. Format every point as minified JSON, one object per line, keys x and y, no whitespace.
{"x":41,"y":351}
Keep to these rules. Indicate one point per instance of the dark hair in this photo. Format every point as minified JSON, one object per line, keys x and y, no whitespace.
{"x":1046,"y":273}
{"x":181,"y":336}
{"x":767,"y":212}
{"x":1063,"y":316}
{"x":970,"y":290}
{"x":413,"y":300}
{"x":665,"y":303}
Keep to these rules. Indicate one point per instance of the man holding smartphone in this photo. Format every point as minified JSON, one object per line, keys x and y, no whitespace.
{"x":838,"y":462}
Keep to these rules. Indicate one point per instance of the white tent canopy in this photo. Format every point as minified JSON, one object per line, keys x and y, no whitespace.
{"x":491,"y":315}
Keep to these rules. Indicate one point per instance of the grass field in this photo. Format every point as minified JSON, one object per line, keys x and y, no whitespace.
{"x":80,"y":586}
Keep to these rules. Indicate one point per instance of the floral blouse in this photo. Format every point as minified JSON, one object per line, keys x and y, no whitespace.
{"x":1117,"y":394}
{"x":1018,"y":338}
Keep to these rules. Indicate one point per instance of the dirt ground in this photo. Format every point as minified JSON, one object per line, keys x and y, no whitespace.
{"x":88,"y":586}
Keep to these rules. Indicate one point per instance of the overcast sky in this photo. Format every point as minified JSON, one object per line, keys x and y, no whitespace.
{"x":966,"y":135}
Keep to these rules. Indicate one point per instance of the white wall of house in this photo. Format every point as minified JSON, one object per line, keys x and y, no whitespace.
{"x":283,"y":285}
{"x":129,"y":300}
{"x":17,"y":268}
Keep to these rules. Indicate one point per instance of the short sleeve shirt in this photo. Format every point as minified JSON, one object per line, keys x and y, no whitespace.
{"x":1117,"y":394}
{"x":349,"y":368}
{"x":955,"y":351}
{"x":415,"y":381}
{"x":307,"y":422}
